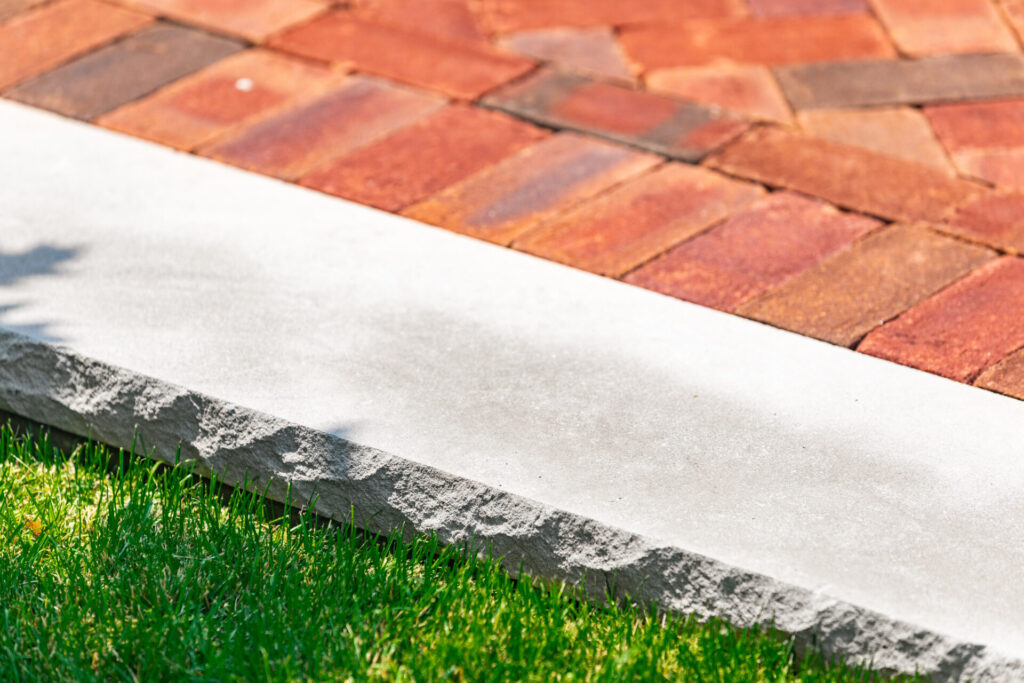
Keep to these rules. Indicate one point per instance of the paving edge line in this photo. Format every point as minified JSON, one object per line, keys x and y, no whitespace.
{"x":58,"y":387}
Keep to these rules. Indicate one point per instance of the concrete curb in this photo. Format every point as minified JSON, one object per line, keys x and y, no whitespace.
{"x":58,"y":387}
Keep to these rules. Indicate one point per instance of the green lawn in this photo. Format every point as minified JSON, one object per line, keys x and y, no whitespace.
{"x":144,"y":575}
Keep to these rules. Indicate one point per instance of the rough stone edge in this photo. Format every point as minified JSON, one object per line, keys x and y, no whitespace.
{"x":61,"y":388}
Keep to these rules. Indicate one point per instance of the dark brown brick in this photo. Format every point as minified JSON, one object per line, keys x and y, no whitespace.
{"x":846,"y":296}
{"x":902,"y":81}
{"x":851,"y":177}
{"x":124,"y":71}
{"x":962,"y":330}
{"x":682,"y":130}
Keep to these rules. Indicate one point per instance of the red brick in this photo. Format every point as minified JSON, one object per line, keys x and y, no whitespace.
{"x":424,"y":157}
{"x":1002,"y":167}
{"x":783,"y":8}
{"x":747,"y":89}
{"x":506,"y":199}
{"x":504,"y":16}
{"x":637,"y":221}
{"x":124,"y":71}
{"x":784,"y":40}
{"x":753,"y":250}
{"x":588,"y":49}
{"x":459,"y":69}
{"x":39,"y":40}
{"x":683,"y":130}
{"x":252,"y":19}
{"x":1006,"y":377}
{"x":978,"y":125}
{"x":851,"y":177}
{"x":929,"y":27}
{"x":899,"y":131}
{"x":197,"y":109}
{"x":291,"y":143}
{"x":451,"y":19}
{"x":961,"y":330}
{"x":994,"y":219}
{"x":854,"y":291}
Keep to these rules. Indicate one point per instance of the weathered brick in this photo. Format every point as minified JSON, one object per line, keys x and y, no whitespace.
{"x":963,"y":329}
{"x":1013,"y":10}
{"x":748,"y":89}
{"x":456,"y":68}
{"x":196,"y":109}
{"x":978,"y":125}
{"x":994,"y":219}
{"x":869,"y":83}
{"x":1002,"y":167}
{"x":928,"y":27}
{"x":753,"y":250}
{"x":682,"y":130}
{"x":851,"y":177}
{"x":588,"y":49}
{"x":504,"y":200}
{"x":424,"y":157}
{"x":125,"y":71}
{"x":451,"y":19}
{"x":43,"y":38}
{"x":782,"y":8}
{"x":1006,"y":376}
{"x":783,"y":40}
{"x":854,"y":291}
{"x":10,"y":8}
{"x":504,"y":16}
{"x":292,"y":142}
{"x":252,"y":19}
{"x":900,"y":132}
{"x":638,"y":220}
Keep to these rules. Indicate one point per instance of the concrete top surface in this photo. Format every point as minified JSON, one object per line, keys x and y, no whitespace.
{"x":866,"y":481}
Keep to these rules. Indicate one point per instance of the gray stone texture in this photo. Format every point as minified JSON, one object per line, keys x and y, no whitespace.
{"x":704,"y":461}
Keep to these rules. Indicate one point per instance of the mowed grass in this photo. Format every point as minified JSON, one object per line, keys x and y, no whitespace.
{"x":138,"y":573}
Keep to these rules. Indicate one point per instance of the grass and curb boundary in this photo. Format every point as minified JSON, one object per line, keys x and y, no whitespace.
{"x":135,"y":572}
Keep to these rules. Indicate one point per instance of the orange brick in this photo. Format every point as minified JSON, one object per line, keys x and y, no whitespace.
{"x":503,"y":201}
{"x":38,"y":40}
{"x":748,"y":89}
{"x":503,"y":16}
{"x":854,"y":291}
{"x":637,"y":221}
{"x":459,"y":69}
{"x":589,"y":49}
{"x":753,"y":250}
{"x":292,"y":142}
{"x":451,"y":19}
{"x":851,"y":177}
{"x":899,"y":131}
{"x":978,"y":125}
{"x":252,"y":19}
{"x":963,"y":329}
{"x":1014,"y":12}
{"x":930,"y":27}
{"x":1002,"y":167}
{"x":784,"y":40}
{"x":782,"y":8}
{"x":197,"y":109}
{"x":994,"y":219}
{"x":1006,"y":376}
{"x":10,"y":8}
{"x":424,"y":157}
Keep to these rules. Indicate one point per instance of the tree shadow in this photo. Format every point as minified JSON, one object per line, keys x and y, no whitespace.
{"x":37,"y":261}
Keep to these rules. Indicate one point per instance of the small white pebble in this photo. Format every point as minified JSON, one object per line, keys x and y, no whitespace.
{"x":244,"y":84}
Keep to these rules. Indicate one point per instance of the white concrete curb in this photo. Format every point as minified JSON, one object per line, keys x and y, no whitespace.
{"x":710,"y":463}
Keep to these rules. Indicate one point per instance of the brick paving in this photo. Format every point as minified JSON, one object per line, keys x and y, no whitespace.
{"x":850,"y":170}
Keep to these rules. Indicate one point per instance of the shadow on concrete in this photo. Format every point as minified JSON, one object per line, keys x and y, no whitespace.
{"x":37,"y":261}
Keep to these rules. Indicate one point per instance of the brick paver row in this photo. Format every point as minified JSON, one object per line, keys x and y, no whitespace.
{"x":850,"y":170}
